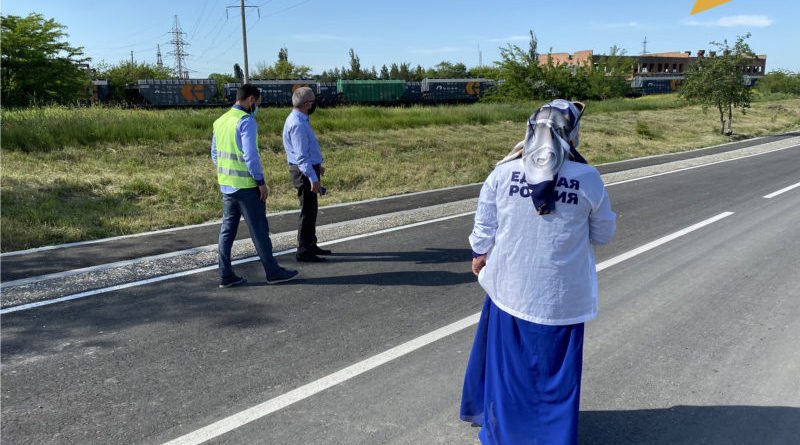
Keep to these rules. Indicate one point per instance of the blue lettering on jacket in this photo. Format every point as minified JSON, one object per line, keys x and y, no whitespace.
{"x":520,"y":188}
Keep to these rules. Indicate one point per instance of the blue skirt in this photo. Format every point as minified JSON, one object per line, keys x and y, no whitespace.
{"x":523,"y":380}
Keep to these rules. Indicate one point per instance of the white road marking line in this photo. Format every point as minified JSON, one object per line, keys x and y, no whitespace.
{"x":303,"y":392}
{"x":783,"y":190}
{"x":241,"y":418}
{"x":693,"y":167}
{"x":663,"y":240}
{"x":90,"y":293}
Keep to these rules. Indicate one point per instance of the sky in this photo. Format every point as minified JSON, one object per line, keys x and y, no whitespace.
{"x":320,"y":33}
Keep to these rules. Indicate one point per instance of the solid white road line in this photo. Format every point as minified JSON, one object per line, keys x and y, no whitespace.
{"x":241,"y":418}
{"x":783,"y":190}
{"x":90,"y":293}
{"x":695,"y":166}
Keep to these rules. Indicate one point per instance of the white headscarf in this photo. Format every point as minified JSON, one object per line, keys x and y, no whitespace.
{"x":550,"y":138}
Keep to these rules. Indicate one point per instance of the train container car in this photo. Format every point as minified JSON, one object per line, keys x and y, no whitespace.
{"x":101,"y":92}
{"x":229,"y":91}
{"x":656,"y":85}
{"x":370,"y":91}
{"x":327,"y":95}
{"x":413,"y":93}
{"x":273,"y":92}
{"x":177,"y":92}
{"x":453,"y":90}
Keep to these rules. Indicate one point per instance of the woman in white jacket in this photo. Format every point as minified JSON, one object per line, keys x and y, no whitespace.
{"x":539,"y":212}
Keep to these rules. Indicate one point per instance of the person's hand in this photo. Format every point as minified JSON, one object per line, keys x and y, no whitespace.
{"x":263,"y":192}
{"x":321,"y":170}
{"x":315,"y":187}
{"x":477,"y":264}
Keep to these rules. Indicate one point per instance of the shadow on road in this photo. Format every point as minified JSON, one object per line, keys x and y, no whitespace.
{"x":427,"y":256}
{"x":398,"y":278}
{"x":88,"y":323}
{"x":710,"y":425}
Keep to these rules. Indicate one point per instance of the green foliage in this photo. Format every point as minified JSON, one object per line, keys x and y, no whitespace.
{"x":525,"y":78}
{"x":779,"y":81}
{"x":128,"y":73}
{"x":282,"y":69}
{"x":37,"y":65}
{"x":719,"y":81}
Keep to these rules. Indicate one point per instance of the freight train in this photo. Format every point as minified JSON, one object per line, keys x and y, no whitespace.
{"x":163,"y":93}
{"x":206,"y":92}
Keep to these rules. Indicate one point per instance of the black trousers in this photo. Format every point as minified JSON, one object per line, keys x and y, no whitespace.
{"x":307,"y":227}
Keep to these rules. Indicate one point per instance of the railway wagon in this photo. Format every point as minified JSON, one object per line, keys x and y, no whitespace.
{"x":177,"y":92}
{"x":273,"y":92}
{"x":101,"y":92}
{"x":453,"y":90}
{"x":371,"y":92}
{"x":413,"y":93}
{"x":656,"y":85}
{"x":326,"y":94}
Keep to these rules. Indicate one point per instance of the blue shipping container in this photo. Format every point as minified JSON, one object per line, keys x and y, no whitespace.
{"x":177,"y":92}
{"x":453,"y":90}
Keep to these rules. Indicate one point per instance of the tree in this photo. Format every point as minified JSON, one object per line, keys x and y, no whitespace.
{"x":37,"y":64}
{"x":521,"y":71}
{"x":282,"y":69}
{"x":128,"y":73}
{"x":385,"y":73}
{"x":448,"y":70}
{"x":238,"y":73}
{"x":780,"y":81}
{"x":719,"y":81}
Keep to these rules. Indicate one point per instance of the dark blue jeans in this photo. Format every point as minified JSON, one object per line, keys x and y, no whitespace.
{"x":245,"y":202}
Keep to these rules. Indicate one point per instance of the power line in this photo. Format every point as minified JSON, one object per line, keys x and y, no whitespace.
{"x":244,"y":35}
{"x":181,"y":71}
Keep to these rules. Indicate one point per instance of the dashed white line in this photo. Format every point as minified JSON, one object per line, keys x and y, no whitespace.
{"x":241,"y":418}
{"x":781,"y":191}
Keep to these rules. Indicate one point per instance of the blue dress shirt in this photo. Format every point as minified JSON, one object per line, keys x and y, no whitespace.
{"x":301,"y":145}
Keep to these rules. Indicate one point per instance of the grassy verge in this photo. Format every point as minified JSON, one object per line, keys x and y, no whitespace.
{"x":77,"y":174}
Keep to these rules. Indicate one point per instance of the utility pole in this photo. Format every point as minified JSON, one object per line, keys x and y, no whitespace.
{"x":159,"y":62}
{"x":181,"y":71}
{"x":244,"y":36}
{"x":131,"y":57}
{"x":644,"y":46}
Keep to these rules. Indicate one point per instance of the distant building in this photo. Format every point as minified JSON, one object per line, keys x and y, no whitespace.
{"x":654,"y":72}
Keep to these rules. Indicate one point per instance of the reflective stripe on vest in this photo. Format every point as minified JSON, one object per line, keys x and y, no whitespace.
{"x":231,"y":168}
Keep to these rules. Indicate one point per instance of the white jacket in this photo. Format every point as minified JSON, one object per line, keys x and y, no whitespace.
{"x":541,"y":268}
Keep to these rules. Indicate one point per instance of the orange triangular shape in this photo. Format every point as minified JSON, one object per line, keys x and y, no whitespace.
{"x":704,"y":5}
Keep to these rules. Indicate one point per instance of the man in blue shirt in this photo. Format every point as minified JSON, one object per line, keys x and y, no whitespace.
{"x":234,"y":150}
{"x":306,"y":170}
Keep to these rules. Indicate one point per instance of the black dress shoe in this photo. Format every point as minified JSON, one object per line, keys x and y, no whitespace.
{"x":308,"y":257}
{"x":316,"y":250}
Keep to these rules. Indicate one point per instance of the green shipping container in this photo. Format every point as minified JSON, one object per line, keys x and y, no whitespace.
{"x":370,"y":91}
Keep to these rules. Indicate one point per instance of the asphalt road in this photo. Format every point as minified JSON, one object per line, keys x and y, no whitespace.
{"x":696,"y":341}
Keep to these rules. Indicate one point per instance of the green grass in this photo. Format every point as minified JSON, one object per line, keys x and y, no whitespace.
{"x":86,"y":173}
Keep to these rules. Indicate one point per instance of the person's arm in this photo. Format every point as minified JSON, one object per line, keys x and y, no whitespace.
{"x":299,"y":142}
{"x":485,"y":227}
{"x":248,"y":131}
{"x":249,"y":135}
{"x":214,"y":148}
{"x":602,"y":220}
